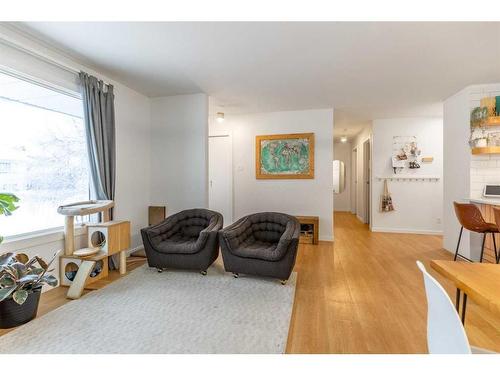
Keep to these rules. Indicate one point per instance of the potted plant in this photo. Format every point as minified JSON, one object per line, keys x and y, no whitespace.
{"x":21,"y":278}
{"x":21,"y":281}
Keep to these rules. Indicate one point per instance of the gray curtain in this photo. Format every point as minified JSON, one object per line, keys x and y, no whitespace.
{"x":99,"y":116}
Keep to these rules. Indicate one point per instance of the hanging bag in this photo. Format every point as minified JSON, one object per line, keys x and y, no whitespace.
{"x":386,"y":199}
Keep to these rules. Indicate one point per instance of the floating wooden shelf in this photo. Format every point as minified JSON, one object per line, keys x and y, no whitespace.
{"x":485,"y":150}
{"x":491,"y":121}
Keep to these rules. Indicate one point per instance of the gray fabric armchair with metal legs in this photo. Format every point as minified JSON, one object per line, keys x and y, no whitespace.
{"x":262,"y":244}
{"x":186,"y":240}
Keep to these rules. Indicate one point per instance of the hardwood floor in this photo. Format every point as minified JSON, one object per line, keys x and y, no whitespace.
{"x":363,"y":294}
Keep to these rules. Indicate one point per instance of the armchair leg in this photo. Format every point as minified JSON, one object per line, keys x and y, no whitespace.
{"x":283,"y":282}
{"x":236,"y":275}
{"x":204,"y":273}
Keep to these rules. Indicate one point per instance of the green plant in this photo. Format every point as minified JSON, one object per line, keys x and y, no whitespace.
{"x":7,"y":205}
{"x":19,"y":275}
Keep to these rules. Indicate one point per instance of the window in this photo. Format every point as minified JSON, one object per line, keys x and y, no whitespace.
{"x":43,"y":155}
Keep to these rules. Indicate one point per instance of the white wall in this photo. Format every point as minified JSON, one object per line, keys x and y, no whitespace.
{"x":295,"y":197}
{"x":179,"y":152}
{"x":418,"y":204}
{"x":132,"y":114}
{"x":342,"y":152}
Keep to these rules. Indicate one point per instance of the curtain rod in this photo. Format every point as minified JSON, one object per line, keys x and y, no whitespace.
{"x":39,"y":56}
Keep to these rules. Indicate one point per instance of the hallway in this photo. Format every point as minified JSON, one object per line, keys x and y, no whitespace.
{"x":365,"y":294}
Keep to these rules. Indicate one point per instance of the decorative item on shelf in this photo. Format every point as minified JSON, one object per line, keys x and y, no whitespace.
{"x":489,"y":103}
{"x":386,"y":199}
{"x":414,"y":165}
{"x":427,"y":159}
{"x":397,"y":163}
{"x":21,"y":281}
{"x":414,"y":150}
{"x":478,"y":116}
{"x":481,"y":142}
{"x":494,"y":139}
{"x":284,"y":156}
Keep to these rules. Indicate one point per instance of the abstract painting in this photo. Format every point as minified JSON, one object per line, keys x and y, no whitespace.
{"x":284,"y":156}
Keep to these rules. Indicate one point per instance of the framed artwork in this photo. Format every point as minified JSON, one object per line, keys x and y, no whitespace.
{"x":284,"y":156}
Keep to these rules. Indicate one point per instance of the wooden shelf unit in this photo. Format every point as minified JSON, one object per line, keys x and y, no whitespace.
{"x":485,"y":150}
{"x":309,"y":229}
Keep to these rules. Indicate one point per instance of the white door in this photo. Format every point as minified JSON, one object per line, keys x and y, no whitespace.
{"x":220,"y":176}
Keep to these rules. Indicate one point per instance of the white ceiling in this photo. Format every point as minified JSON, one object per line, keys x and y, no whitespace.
{"x":367,"y":70}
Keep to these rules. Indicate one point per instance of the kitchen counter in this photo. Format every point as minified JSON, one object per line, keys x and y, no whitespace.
{"x":490,"y":201}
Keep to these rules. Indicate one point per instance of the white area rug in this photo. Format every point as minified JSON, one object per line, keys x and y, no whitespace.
{"x":171,"y":312}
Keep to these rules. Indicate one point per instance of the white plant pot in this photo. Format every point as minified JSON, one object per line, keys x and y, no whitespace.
{"x":481,"y":143}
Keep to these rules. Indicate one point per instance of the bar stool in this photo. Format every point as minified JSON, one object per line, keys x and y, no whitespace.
{"x":471,"y":219}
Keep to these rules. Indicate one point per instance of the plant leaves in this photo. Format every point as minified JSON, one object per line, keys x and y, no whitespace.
{"x":27,"y":279}
{"x":50,"y":279}
{"x":36,"y":271}
{"x":20,"y":269}
{"x":6,"y":281}
{"x":5,"y":293}
{"x":5,"y":258}
{"x":22,"y":258}
{"x":20,"y":296}
{"x":7,"y":203}
{"x":42,"y":263}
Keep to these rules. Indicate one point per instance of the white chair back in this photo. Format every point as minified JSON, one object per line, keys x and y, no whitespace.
{"x":445,"y":332}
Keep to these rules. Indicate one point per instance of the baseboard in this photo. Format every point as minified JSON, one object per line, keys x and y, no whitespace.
{"x":406,"y":230}
{"x":326,"y":238}
{"x":130,"y":251}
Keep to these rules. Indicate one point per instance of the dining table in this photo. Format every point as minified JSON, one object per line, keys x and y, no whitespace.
{"x":477,"y":281}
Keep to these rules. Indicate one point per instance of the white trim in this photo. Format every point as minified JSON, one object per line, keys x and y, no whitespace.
{"x":326,"y":238}
{"x":406,"y":230}
{"x":133,"y":250}
{"x":38,"y":238}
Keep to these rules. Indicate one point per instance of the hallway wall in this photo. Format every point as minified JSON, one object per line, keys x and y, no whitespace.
{"x":418,"y":204}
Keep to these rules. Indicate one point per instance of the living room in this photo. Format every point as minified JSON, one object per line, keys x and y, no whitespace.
{"x":248,"y":187}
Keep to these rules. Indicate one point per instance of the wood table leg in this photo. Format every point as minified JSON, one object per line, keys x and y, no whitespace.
{"x":123,"y":263}
{"x":464,"y":307}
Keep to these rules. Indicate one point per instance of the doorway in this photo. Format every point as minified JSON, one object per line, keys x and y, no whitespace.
{"x":220,"y":176}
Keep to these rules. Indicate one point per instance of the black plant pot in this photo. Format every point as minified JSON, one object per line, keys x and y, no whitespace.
{"x":13,"y":315}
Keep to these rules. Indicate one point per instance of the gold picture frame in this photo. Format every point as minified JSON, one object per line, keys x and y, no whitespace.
{"x":284,"y":156}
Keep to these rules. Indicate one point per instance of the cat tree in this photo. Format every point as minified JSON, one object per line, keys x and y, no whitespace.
{"x":81,"y":267}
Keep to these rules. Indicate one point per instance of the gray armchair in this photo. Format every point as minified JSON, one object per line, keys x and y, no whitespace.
{"x":186,"y":240}
{"x":262,"y":244}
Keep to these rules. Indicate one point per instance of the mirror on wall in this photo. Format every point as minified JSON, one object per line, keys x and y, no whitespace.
{"x":338,"y":176}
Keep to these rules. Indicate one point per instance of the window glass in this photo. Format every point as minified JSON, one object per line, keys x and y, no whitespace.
{"x":43,"y":155}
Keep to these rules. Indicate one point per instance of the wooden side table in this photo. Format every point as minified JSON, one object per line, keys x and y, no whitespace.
{"x":309,"y":229}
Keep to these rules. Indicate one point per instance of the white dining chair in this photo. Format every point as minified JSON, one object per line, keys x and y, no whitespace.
{"x":445,"y":332}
